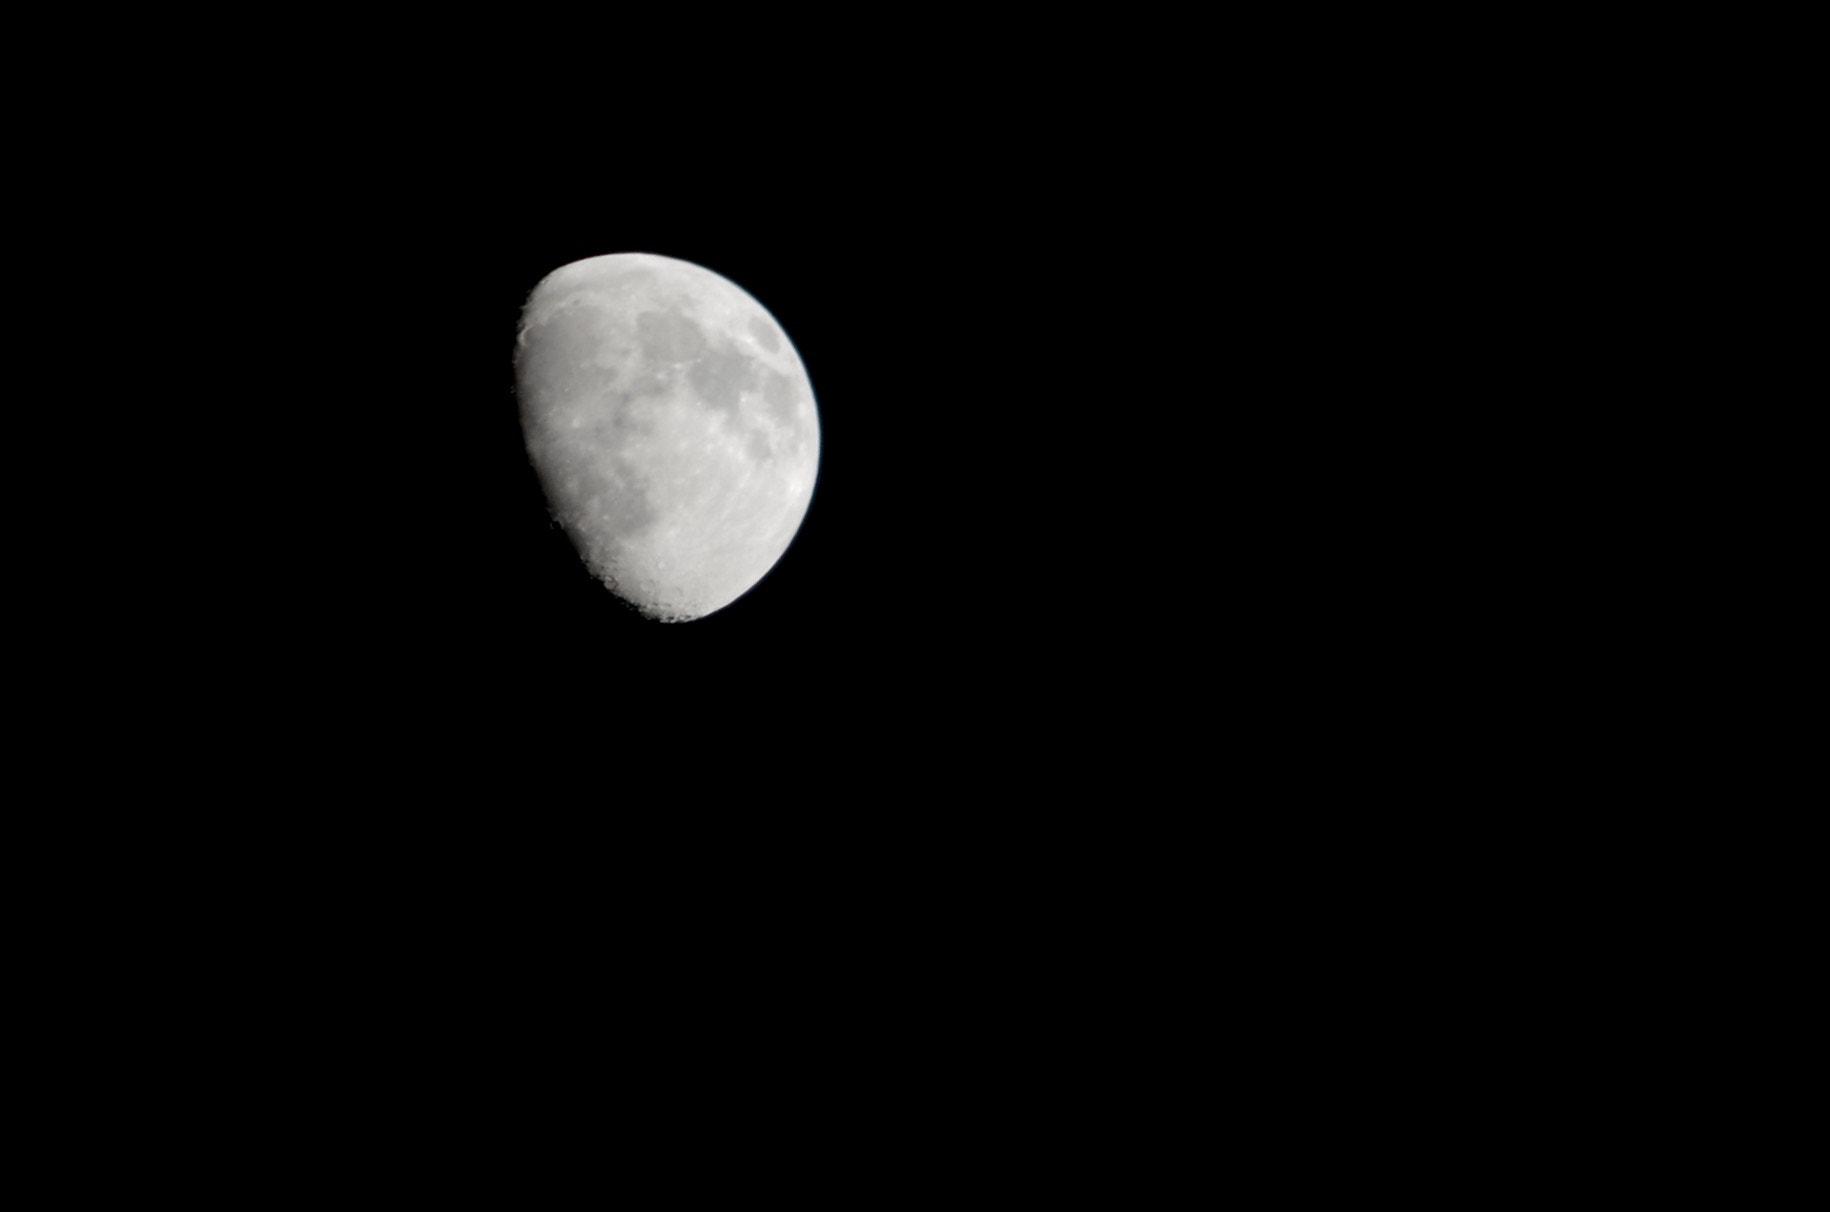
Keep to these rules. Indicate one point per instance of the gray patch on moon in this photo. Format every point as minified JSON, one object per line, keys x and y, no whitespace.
{"x":765,"y":334}
{"x":624,"y":508}
{"x":722,"y":376}
{"x":669,"y":336}
{"x":601,"y":496}
{"x":561,"y":346}
{"x":646,"y":382}
{"x":581,"y":451}
{"x":575,"y":353}
{"x":780,"y":393}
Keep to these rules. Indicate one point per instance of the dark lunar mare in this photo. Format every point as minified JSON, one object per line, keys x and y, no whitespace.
{"x":588,"y":481}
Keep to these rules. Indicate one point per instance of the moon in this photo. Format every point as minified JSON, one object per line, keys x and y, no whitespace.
{"x":672,"y":425}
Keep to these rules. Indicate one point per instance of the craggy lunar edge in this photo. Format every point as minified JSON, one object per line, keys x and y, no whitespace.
{"x":672,"y":425}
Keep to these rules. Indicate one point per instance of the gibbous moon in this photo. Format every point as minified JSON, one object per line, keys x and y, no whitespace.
{"x":672,"y":425}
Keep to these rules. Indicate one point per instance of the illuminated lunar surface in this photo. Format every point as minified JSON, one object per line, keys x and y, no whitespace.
{"x":672,"y":425}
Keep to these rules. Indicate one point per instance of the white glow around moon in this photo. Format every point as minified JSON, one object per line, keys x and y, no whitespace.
{"x":672,"y":425}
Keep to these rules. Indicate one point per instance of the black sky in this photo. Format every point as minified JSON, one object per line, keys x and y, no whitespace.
{"x":1000,"y":352}
{"x":1157,"y":411}
{"x":1101,"y":346}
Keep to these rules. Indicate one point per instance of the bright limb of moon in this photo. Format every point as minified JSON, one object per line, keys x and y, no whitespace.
{"x":672,"y":425}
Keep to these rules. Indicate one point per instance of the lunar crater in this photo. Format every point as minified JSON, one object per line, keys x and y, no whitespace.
{"x":765,"y":333}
